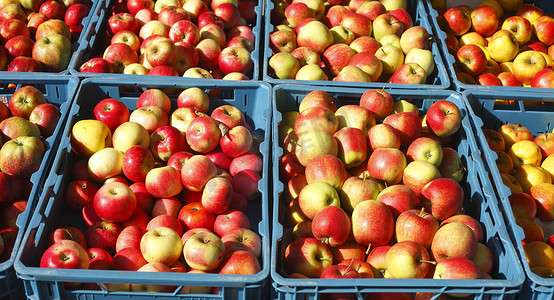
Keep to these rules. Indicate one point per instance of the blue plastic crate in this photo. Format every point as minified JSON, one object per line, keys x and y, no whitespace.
{"x":437,"y":80}
{"x":91,"y":18}
{"x":485,"y":113}
{"x":449,"y":59}
{"x":93,"y":46}
{"x":480,"y":202}
{"x":251,"y":97}
{"x":58,"y":90}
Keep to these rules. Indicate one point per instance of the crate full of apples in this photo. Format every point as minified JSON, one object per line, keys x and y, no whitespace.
{"x":193,"y":38}
{"x":41,"y":36}
{"x":157,"y":190}
{"x":493,"y":43}
{"x":516,"y":134}
{"x":380,"y":192}
{"x":32,"y":114}
{"x":355,"y":43}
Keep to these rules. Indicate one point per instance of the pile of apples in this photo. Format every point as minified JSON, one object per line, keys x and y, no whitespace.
{"x":190,"y":38}
{"x":526,"y":165}
{"x":36,"y":35}
{"x":357,"y":40}
{"x":501,"y":43}
{"x":160,"y":192}
{"x":355,"y":185}
{"x":25,"y":123}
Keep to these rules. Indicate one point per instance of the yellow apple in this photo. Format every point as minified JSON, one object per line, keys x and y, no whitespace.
{"x":472,"y":38}
{"x":105,"y":163}
{"x":548,"y":165}
{"x":90,"y":136}
{"x":507,"y":67}
{"x":530,"y":175}
{"x":128,"y":135}
{"x":503,"y":46}
{"x":403,"y":106}
{"x":525,"y":152}
{"x":514,"y":133}
{"x":539,"y":254}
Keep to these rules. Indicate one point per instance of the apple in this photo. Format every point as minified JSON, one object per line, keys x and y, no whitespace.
{"x":67,"y":233}
{"x":391,"y":57}
{"x":152,"y":267}
{"x":307,"y":256}
{"x":22,"y":156}
{"x":525,"y":152}
{"x":512,"y":133}
{"x":444,"y":118}
{"x":386,"y":164}
{"x":15,"y":127}
{"x":444,"y":247}
{"x":418,"y":173}
{"x":383,"y":136}
{"x":65,"y":254}
{"x":407,"y":259}
{"x":103,"y":235}
{"x":194,"y":215}
{"x":120,"y":55}
{"x":316,"y":196}
{"x":527,"y":64}
{"x":166,"y":206}
{"x":541,"y":29}
{"x":240,"y":262}
{"x":128,"y":259}
{"x":541,"y":193}
{"x":416,"y":225}
{"x":129,"y":237}
{"x":331,"y":225}
{"x":203,"y":251}
{"x":523,"y":206}
{"x":137,"y":162}
{"x":469,"y":221}
{"x":161,"y":244}
{"x":96,"y":65}
{"x":313,"y":143}
{"x":451,"y":165}
{"x":203,"y":134}
{"x":472,"y":59}
{"x":386,"y":24}
{"x":11,"y":212}
{"x":456,"y":268}
{"x":165,"y":221}
{"x":398,"y":198}
{"x":444,"y":196}
{"x":407,"y":124}
{"x":315,"y":35}
{"x":326,"y":168}
{"x":543,"y":79}
{"x":457,"y":20}
{"x":105,"y":163}
{"x":46,"y":117}
{"x":242,"y":239}
{"x":352,"y":146}
{"x":248,"y":161}
{"x":372,"y":223}
{"x":485,"y":20}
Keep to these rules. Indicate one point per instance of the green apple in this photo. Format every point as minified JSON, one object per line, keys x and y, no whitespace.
{"x":284,"y":65}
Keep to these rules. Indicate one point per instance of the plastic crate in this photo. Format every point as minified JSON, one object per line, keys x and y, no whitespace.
{"x":479,"y":202}
{"x":486,"y":113}
{"x":449,"y":59}
{"x":58,"y":90}
{"x":91,"y":18}
{"x":437,"y":80}
{"x":93,"y":46}
{"x":250,"y":97}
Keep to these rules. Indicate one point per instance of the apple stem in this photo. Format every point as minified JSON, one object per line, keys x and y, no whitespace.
{"x":421,"y":212}
{"x":351,"y":262}
{"x":429,"y":262}
{"x":383,"y":88}
{"x":368,"y":247}
{"x":296,"y":143}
